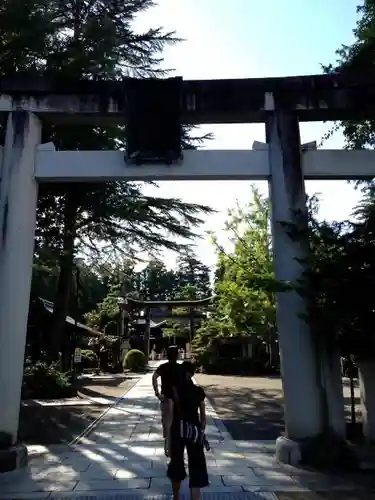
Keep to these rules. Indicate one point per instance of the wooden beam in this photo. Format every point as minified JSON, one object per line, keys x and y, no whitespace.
{"x":312,"y":98}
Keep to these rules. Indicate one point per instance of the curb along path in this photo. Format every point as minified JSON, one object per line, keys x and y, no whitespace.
{"x":123,"y":458}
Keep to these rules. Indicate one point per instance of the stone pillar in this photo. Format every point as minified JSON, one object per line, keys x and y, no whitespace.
{"x":18,"y":200}
{"x":300,"y":378}
{"x":366,"y":373}
{"x":146,"y":336}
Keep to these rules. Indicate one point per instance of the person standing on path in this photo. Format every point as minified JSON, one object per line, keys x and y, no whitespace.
{"x":171,"y":374}
{"x":185,"y":422}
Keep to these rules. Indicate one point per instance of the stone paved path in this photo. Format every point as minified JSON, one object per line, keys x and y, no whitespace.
{"x":123,"y":458}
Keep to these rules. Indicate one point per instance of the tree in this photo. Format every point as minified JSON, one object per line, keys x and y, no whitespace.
{"x":340,"y":271}
{"x":245,"y":291}
{"x":192,"y":273}
{"x":175,"y":329}
{"x":358,"y":59}
{"x":155,"y":282}
{"x":107,"y":312}
{"x":345,"y":252}
{"x":91,"y":39}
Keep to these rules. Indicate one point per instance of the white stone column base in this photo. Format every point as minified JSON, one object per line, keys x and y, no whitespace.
{"x":288,"y":451}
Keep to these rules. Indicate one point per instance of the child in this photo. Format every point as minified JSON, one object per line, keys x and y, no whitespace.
{"x":185,"y":424}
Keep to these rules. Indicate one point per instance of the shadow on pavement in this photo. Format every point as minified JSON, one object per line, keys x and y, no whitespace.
{"x":47,"y":425}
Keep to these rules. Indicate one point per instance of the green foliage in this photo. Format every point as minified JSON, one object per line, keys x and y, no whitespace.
{"x":176,"y":329}
{"x":245,"y":287}
{"x":107,"y":313}
{"x":193,"y":278}
{"x":135,"y":360}
{"x":42,"y":380}
{"x":343,"y":267}
{"x":89,"y":359}
{"x":95,"y":40}
{"x":153,"y":282}
{"x":358,"y":59}
{"x":232,"y":366}
{"x":340,"y":272}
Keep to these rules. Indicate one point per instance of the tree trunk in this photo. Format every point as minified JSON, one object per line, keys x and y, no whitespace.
{"x":64,"y":285}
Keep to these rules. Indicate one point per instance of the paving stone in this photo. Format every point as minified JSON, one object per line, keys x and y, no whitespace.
{"x":30,"y":496}
{"x":153,"y":436}
{"x":40,"y":475}
{"x":240,"y":479}
{"x":80,"y":464}
{"x":215,"y":480}
{"x":114,"y":484}
{"x":211,"y":462}
{"x":48,"y":459}
{"x":159,"y":469}
{"x":261,"y":461}
{"x":58,"y":471}
{"x":225,"y":471}
{"x":98,"y":472}
{"x":222,"y":489}
{"x":30,"y":486}
{"x":286,"y":469}
{"x":129,"y":474}
{"x":123,"y":459}
{"x":160,"y":482}
{"x":230,"y":463}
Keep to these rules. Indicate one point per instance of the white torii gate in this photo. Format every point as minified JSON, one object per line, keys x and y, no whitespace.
{"x":25,"y":163}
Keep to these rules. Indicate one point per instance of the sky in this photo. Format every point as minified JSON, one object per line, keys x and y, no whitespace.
{"x":252,"y":39}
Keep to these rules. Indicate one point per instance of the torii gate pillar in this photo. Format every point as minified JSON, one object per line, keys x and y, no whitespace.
{"x":18,"y":201}
{"x":301,"y":376}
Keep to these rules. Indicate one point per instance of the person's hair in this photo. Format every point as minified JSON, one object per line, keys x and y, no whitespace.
{"x":189,"y":368}
{"x":172,"y":353}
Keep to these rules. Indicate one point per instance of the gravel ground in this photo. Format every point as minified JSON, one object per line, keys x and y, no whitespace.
{"x":61,"y":424}
{"x":251,"y":407}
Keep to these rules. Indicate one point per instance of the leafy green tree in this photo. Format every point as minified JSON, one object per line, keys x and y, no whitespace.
{"x":191,"y":272}
{"x":155,"y":282}
{"x":342,"y":262}
{"x":341,"y":270}
{"x":89,"y":289}
{"x":245,"y":292}
{"x":107,"y":313}
{"x":176,"y":329}
{"x":358,"y":59}
{"x":91,"y":39}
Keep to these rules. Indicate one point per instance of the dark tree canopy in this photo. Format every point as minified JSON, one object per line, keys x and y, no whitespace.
{"x":92,"y":39}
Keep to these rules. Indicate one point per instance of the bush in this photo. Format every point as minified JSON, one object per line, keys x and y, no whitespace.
{"x":89,"y":359}
{"x":41,"y":380}
{"x":135,"y":360}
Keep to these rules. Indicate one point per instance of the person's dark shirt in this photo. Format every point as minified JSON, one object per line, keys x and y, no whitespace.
{"x":171,"y":374}
{"x":190,"y":396}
